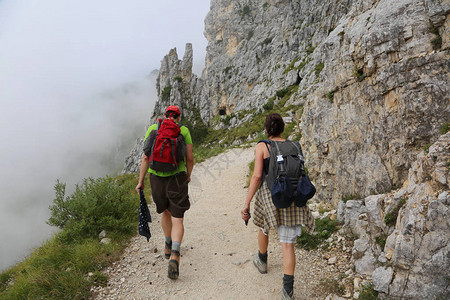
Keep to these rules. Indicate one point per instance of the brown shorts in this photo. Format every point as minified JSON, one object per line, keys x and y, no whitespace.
{"x":170,"y":193}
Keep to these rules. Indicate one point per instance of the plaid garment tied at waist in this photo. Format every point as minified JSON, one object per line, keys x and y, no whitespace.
{"x":267,"y":216}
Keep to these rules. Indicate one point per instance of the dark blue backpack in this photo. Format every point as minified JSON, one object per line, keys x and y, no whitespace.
{"x":286,"y":176}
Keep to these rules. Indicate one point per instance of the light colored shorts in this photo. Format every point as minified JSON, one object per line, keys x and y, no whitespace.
{"x":287,"y":234}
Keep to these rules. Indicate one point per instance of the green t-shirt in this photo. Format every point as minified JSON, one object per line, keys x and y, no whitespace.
{"x":182,"y":166}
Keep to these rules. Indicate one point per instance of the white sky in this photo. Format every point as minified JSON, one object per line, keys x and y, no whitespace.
{"x":72,"y":87}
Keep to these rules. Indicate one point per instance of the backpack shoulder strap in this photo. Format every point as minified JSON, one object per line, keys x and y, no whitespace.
{"x":299,"y":149}
{"x":267,"y":142}
{"x":160,"y":121}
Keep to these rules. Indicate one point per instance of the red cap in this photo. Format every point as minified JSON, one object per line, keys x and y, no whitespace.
{"x":174,"y":109}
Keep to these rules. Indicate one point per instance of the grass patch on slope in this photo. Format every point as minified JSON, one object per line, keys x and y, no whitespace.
{"x":323,"y":230}
{"x":60,"y":268}
{"x":214,"y":142}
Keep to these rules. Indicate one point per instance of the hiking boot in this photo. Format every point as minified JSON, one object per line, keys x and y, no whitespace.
{"x":173,"y":271}
{"x":259,"y":264}
{"x":286,"y":296}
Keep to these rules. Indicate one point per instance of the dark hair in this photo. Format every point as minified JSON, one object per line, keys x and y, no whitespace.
{"x":171,"y":113}
{"x":274,"y":125}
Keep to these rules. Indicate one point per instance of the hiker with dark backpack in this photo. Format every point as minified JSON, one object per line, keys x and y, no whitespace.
{"x":282,"y":188}
{"x":169,"y":161}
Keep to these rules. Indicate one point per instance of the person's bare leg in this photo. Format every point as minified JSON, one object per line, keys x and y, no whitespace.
{"x":177,"y":233}
{"x":263,"y":242}
{"x":288,"y":268}
{"x":288,"y":258}
{"x":166,"y":224}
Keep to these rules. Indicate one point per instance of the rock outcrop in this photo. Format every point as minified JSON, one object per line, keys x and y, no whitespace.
{"x":403,"y":236}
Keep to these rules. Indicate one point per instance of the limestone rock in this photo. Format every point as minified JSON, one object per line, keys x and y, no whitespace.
{"x":381,"y":278}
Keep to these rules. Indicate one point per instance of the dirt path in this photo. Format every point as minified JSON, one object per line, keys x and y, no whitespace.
{"x":217,"y":248}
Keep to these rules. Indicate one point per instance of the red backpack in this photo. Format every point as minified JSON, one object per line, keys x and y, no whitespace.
{"x":165,"y":147}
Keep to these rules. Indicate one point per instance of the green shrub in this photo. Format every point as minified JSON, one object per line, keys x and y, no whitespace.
{"x":437,"y":41}
{"x":59,"y":268}
{"x":323,"y":230}
{"x":245,"y":10}
{"x":381,"y":240}
{"x":330,"y":95}
{"x":444,"y":128}
{"x":391,"y":217}
{"x":178,"y":78}
{"x":281,"y":93}
{"x":359,"y":74}
{"x":269,"y":105}
{"x":288,"y":129}
{"x":319,"y":67}
{"x":349,"y":197}
{"x":227,"y":69}
{"x":367,"y":292}
{"x":267,"y":40}
{"x":310,"y":49}
{"x":96,"y":205}
{"x":291,"y":65}
{"x":165,"y":94}
{"x":250,"y":34}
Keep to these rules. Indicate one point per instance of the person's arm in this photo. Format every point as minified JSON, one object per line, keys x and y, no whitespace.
{"x":255,"y":180}
{"x":189,"y":161}
{"x":143,"y":170}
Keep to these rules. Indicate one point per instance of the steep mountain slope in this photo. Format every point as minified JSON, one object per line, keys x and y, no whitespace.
{"x":368,"y":84}
{"x":370,"y":76}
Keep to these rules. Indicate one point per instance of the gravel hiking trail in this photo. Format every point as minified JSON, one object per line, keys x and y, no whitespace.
{"x":217,"y":247}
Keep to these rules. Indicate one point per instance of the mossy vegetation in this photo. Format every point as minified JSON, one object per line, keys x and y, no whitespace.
{"x":324,"y":229}
{"x":269,"y":105}
{"x":250,"y":34}
{"x":444,"y":128}
{"x":349,"y":197}
{"x":391,"y":217}
{"x":359,"y":74}
{"x":310,"y":49}
{"x":245,"y":11}
{"x":366,"y":292}
{"x":267,"y":41}
{"x":165,"y":94}
{"x":437,"y":41}
{"x":318,"y":68}
{"x":68,"y":264}
{"x":227,"y":69}
{"x":381,"y":240}
{"x":330,"y":95}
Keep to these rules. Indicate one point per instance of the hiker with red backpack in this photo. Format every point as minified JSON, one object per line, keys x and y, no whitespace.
{"x":169,"y":161}
{"x":282,"y":188}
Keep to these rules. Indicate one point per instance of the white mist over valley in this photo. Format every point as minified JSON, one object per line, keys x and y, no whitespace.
{"x":77,"y":87}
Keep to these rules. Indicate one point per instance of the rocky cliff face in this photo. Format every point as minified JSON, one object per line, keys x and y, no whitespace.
{"x":403,"y":236}
{"x":371,"y":78}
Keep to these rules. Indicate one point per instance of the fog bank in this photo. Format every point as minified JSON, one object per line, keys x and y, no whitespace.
{"x":75,"y":93}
